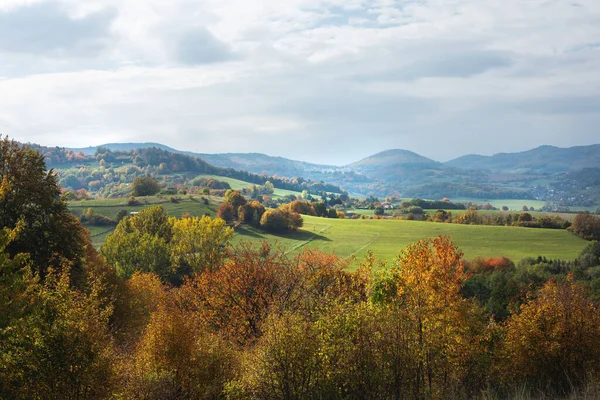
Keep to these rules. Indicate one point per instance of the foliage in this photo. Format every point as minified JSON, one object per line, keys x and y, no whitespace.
{"x":54,"y":341}
{"x":144,"y":186}
{"x":30,"y":196}
{"x":586,"y":226}
{"x":199,"y":243}
{"x":553,"y":343}
{"x":169,"y":247}
{"x":226,"y":213}
{"x":428,"y":277}
{"x":251,"y":213}
{"x":278,"y":220}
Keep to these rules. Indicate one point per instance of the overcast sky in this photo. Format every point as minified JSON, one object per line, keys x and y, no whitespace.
{"x":327,"y":81}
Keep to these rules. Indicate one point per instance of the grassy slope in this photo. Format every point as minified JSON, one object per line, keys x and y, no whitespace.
{"x":356,"y":237}
{"x":237,"y":184}
{"x":388,"y":237}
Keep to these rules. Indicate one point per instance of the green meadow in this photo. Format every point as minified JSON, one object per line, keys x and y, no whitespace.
{"x":237,"y":184}
{"x":349,"y":238}
{"x":387,"y":238}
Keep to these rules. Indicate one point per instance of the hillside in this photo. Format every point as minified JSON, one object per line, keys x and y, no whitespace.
{"x":545,"y":173}
{"x":541,"y":160}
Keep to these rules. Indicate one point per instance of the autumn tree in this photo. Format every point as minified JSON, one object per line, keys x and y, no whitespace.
{"x":235,"y":199}
{"x":552,"y":344}
{"x":586,"y":226}
{"x":427,"y":279}
{"x":300,"y":207}
{"x":56,"y":345}
{"x":226,"y":213}
{"x":278,"y":220}
{"x":251,"y":213}
{"x":176,"y":358}
{"x":285,"y":363}
{"x":238,"y":297}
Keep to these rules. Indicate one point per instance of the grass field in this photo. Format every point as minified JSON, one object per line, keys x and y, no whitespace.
{"x":236,"y":184}
{"x":387,"y":237}
{"x":356,"y":237}
{"x":186,"y":204}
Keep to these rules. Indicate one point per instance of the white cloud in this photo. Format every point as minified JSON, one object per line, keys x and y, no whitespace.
{"x":299,"y":78}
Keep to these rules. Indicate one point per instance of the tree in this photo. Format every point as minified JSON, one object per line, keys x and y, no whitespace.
{"x":525,"y":217}
{"x":235,"y":199}
{"x":427,"y":279}
{"x":300,"y":207}
{"x":277,"y":220}
{"x":504,"y":208}
{"x":590,"y":255}
{"x":199,"y":243}
{"x":251,"y":213}
{"x":145,"y":186}
{"x":552,"y":344}
{"x":586,"y":226}
{"x":177,"y":359}
{"x":141,"y":243}
{"x":226,"y":213}
{"x":285,"y":363}
{"x":30,"y":197}
{"x":54,"y":340}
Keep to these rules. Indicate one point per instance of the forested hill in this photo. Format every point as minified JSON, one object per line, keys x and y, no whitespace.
{"x":560,"y":175}
{"x":543,"y":159}
{"x":108,"y":170}
{"x":91,"y":150}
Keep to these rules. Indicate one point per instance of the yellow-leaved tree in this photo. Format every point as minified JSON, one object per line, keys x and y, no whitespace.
{"x":199,"y":243}
{"x":446,"y":331}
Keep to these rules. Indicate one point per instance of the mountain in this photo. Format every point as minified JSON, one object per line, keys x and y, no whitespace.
{"x":541,"y":160}
{"x":546,"y":172}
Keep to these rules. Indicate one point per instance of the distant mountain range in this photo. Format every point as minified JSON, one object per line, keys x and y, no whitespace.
{"x":543,"y":159}
{"x":536,"y":173}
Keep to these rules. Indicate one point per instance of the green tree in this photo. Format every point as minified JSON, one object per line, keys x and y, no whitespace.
{"x":30,"y":196}
{"x":145,"y":186}
{"x":141,"y":243}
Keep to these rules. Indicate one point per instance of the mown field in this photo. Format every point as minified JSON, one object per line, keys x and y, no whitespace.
{"x":388,"y":237}
{"x":349,"y":238}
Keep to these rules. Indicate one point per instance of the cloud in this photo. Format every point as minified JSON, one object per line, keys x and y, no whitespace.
{"x":329,"y":81}
{"x":45,"y":29}
{"x":201,"y":47}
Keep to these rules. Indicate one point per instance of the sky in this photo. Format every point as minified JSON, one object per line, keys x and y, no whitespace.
{"x":325,"y":81}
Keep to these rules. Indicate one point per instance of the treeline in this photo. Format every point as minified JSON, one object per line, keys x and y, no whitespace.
{"x":480,"y":191}
{"x":434,"y":204}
